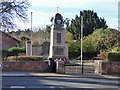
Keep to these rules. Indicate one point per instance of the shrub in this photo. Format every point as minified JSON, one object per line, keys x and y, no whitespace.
{"x":25,"y":58}
{"x":110,"y":56}
{"x":73,"y":49}
{"x":15,"y":50}
{"x":116,"y":49}
{"x":78,"y":58}
{"x":113,"y":56}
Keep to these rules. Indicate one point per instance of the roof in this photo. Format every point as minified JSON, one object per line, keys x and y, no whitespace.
{"x":9,"y":36}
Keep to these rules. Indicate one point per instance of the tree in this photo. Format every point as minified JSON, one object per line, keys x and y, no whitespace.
{"x":48,"y":28}
{"x":101,"y":39}
{"x":40,"y":36}
{"x":12,"y":9}
{"x":73,"y":48}
{"x":90,"y":22}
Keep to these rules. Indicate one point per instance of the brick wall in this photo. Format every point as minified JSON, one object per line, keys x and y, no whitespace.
{"x":25,"y":66}
{"x":107,"y":67}
{"x":110,"y":67}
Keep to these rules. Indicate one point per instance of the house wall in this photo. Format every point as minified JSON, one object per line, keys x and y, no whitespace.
{"x":7,"y":42}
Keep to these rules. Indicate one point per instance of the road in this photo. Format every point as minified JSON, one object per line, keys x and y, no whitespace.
{"x":57,"y":82}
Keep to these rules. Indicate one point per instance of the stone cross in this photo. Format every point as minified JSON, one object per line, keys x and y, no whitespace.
{"x":57,"y":9}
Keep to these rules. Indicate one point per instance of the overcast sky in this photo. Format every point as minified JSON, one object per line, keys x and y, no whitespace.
{"x":43,"y":10}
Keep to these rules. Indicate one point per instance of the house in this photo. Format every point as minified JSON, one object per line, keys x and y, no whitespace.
{"x":6,"y":41}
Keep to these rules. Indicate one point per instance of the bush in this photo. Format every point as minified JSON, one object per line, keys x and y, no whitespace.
{"x":110,"y":56}
{"x":73,"y":49}
{"x":113,"y":56}
{"x":116,"y":49}
{"x":25,"y":58}
{"x":15,"y":50}
{"x":78,"y":58}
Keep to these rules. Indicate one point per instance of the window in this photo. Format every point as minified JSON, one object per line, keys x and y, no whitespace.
{"x":59,"y":37}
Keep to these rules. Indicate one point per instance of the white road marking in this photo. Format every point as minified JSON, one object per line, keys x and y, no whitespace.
{"x":13,"y":74}
{"x":17,"y":86}
{"x":52,"y":86}
{"x":61,"y":87}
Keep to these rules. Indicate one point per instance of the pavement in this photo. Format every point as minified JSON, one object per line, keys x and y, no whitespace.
{"x":46,"y":74}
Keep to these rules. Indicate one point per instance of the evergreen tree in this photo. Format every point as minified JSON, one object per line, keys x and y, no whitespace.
{"x":90,"y":22}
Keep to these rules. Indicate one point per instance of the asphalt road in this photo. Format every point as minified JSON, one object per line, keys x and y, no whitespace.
{"x":57,"y":82}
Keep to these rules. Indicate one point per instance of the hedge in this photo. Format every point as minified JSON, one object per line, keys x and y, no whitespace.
{"x":15,"y":50}
{"x":110,"y":56}
{"x":25,"y":58}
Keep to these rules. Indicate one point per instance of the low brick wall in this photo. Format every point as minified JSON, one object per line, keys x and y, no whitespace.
{"x":107,"y":67}
{"x":25,"y":66}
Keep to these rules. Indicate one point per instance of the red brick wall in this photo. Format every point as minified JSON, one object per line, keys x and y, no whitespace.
{"x":25,"y":66}
{"x":107,"y":67}
{"x":110,"y":67}
{"x":7,"y":42}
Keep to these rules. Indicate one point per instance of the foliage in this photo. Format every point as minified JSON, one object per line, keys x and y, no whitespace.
{"x":41,"y":36}
{"x":23,"y":40}
{"x":11,"y":10}
{"x":111,"y":56}
{"x":90,"y":22}
{"x":73,"y":49}
{"x":72,"y":45}
{"x":101,"y":39}
{"x":15,"y":50}
{"x":38,"y":37}
{"x":68,"y":37}
{"x":115,"y":49}
{"x":78,"y":58}
{"x":48,"y":28}
{"x":25,"y":58}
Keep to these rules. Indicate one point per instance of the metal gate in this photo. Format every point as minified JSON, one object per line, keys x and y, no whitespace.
{"x":76,"y":68}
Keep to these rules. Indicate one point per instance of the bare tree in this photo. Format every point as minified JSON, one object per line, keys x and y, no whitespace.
{"x":11,"y":9}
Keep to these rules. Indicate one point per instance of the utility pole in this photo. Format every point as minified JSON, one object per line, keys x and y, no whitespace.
{"x":31,"y":35}
{"x":81,"y":41}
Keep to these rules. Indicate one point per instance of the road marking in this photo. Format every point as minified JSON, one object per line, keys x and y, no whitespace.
{"x":52,"y":86}
{"x":61,"y":87}
{"x":17,"y":86}
{"x":13,"y":74}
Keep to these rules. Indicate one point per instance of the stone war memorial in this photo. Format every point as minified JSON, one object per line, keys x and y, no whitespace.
{"x":56,"y":48}
{"x":56,"y":51}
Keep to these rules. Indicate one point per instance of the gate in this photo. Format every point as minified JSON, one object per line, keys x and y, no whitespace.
{"x":76,"y":68}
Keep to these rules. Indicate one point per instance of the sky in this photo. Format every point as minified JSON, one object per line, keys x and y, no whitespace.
{"x":43,"y":10}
